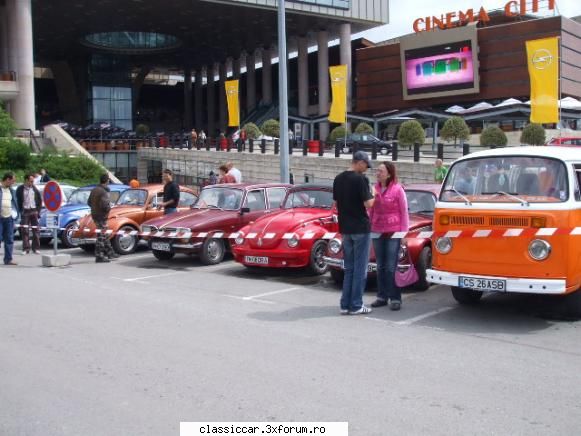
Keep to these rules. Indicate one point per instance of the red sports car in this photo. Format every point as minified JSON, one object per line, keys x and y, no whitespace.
{"x":294,"y":237}
{"x":421,"y":201}
{"x":205,"y":229}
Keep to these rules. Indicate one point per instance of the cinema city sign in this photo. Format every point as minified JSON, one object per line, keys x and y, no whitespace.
{"x":455,"y":19}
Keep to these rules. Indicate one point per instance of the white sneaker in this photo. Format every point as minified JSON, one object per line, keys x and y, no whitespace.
{"x":24,"y":252}
{"x":362,"y":311}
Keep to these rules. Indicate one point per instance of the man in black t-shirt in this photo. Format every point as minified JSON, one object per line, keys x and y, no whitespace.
{"x":171,"y":193}
{"x":353,"y":195}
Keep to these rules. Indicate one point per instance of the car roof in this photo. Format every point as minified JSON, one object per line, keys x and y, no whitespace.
{"x":561,"y":153}
{"x":431,"y":187}
{"x":322,"y":186}
{"x":250,"y":185}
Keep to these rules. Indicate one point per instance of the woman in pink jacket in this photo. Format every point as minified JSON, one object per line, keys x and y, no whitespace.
{"x":389,"y":214}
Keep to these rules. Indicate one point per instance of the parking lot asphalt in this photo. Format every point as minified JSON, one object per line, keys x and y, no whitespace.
{"x":136,"y":346}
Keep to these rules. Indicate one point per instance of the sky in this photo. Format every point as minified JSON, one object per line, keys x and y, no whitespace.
{"x":403,"y":13}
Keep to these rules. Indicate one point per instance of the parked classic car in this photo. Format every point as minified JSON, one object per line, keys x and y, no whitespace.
{"x":70,"y":214}
{"x":364,"y":141}
{"x":220,"y":210}
{"x":421,"y":203}
{"x":133,"y":207}
{"x":306,"y":211}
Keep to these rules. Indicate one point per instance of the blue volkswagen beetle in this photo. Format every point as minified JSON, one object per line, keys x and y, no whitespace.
{"x":75,"y":209}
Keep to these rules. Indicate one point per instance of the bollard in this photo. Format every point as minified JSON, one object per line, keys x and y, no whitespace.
{"x":394,"y":150}
{"x":291,"y":145}
{"x":321,"y":148}
{"x":207,"y":143}
{"x":276,"y":146}
{"x":305,"y":151}
{"x":337,"y":149}
{"x":251,"y":145}
{"x":199,"y":144}
{"x":241,"y":145}
{"x":217,"y":144}
{"x":416,"y":152}
{"x":440,"y":150}
{"x":374,"y":151}
{"x":465,"y":149}
{"x":263,"y":146}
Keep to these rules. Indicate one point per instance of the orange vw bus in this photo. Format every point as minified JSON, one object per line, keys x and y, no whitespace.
{"x":507,"y":221}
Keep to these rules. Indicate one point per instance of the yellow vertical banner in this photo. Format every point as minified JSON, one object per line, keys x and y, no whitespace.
{"x":233,"y":104}
{"x":543,"y":64}
{"x":338,"y":112}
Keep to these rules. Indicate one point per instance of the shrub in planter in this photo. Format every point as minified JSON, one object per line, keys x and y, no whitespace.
{"x":493,"y":135}
{"x":336,"y":133}
{"x":142,"y":129}
{"x":455,"y":128}
{"x":364,"y":128}
{"x":252,"y":130}
{"x":533,"y":134}
{"x":411,"y":132}
{"x":271,"y":128}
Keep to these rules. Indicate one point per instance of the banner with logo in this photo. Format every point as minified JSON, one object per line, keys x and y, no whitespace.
{"x":543,"y":64}
{"x":338,"y":112}
{"x":233,"y":104}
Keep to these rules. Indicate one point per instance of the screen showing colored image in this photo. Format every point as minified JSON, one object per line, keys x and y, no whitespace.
{"x":445,"y":67}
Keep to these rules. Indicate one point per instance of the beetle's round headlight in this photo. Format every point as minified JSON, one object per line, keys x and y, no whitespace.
{"x":402,"y":254}
{"x":539,"y":249}
{"x":146,"y":229}
{"x":293,"y":241}
{"x":335,"y":246}
{"x":444,"y":245}
{"x":239,"y":239}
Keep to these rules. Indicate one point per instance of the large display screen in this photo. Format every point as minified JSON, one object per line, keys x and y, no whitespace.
{"x":440,"y":63}
{"x":444,"y":67}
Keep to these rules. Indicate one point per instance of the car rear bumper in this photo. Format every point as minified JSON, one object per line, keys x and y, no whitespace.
{"x":276,"y":259}
{"x":517,"y":285}
{"x":338,"y":264}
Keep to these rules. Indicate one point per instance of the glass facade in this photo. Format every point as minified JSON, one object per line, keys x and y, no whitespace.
{"x":132,"y":40}
{"x":112,"y":104}
{"x":339,"y":4}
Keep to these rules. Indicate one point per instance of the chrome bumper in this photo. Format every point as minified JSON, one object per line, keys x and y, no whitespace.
{"x":525,"y":286}
{"x":338,"y":263}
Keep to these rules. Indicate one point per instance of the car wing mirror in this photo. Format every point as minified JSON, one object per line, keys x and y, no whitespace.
{"x":244,"y":210}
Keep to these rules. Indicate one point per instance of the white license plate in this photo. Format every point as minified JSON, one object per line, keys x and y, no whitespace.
{"x":160,"y":246}
{"x":256,"y":259}
{"x":371,"y":267}
{"x":482,"y":284}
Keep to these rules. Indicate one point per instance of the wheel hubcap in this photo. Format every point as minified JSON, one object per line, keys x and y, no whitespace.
{"x":126,"y":242}
{"x":213,"y":250}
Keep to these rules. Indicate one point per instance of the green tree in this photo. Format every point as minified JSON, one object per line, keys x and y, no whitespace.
{"x":7,"y":124}
{"x":493,"y":135}
{"x":336,"y":133}
{"x":455,"y":128}
{"x":411,"y":132}
{"x":271,"y":128}
{"x":364,"y":128}
{"x":533,"y":134}
{"x":16,"y":154}
{"x":252,"y":130}
{"x":142,"y":129}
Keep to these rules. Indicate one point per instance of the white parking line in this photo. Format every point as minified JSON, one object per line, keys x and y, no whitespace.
{"x":257,"y":300}
{"x":136,"y":279}
{"x":142,"y":256}
{"x":280,"y":291}
{"x":415,"y":319}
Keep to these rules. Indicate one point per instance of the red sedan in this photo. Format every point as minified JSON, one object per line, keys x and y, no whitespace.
{"x":294,"y":237}
{"x":421,"y":201}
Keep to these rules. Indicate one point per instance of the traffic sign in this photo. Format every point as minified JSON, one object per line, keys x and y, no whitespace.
{"x":52,"y":196}
{"x":52,"y":220}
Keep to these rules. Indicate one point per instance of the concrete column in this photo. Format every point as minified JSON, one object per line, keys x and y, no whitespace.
{"x":198,"y":122}
{"x":250,"y":82}
{"x":3,"y":38}
{"x":236,"y":66}
{"x":303,"y":75}
{"x":187,"y":99}
{"x":211,"y":71}
{"x":323,"y":82}
{"x":222,"y":98}
{"x":267,"y":76}
{"x":23,"y":107}
{"x":345,"y":58}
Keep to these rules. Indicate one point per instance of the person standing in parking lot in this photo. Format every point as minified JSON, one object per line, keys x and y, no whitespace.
{"x":29,"y":204}
{"x":100,"y":204}
{"x":353,"y":195}
{"x":171,"y":193}
{"x":8,"y":213}
{"x":389,"y":214}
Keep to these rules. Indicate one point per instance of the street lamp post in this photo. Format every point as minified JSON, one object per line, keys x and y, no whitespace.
{"x":283,"y":94}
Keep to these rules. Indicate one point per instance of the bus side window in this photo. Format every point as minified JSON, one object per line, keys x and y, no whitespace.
{"x":577,"y":182}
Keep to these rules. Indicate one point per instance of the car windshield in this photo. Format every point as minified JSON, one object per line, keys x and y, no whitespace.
{"x":219,"y":198}
{"x":309,"y":198}
{"x":420,"y":201}
{"x":80,"y":196}
{"x":506,"y":179}
{"x":133,"y":197}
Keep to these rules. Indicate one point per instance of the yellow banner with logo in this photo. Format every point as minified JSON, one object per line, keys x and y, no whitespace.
{"x":338,"y":112}
{"x":543,"y":63}
{"x":233,"y":103}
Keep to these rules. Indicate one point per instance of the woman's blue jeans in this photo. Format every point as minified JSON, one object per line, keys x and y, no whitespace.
{"x":386,"y":254}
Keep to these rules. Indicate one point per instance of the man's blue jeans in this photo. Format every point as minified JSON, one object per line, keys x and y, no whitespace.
{"x":169,"y":210}
{"x":7,"y":237}
{"x":355,"y":260}
{"x":386,"y":255}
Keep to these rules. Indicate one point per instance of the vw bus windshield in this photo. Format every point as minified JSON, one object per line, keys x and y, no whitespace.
{"x":507,"y":179}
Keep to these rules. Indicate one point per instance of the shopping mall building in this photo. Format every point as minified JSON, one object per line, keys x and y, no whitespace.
{"x":115,"y":61}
